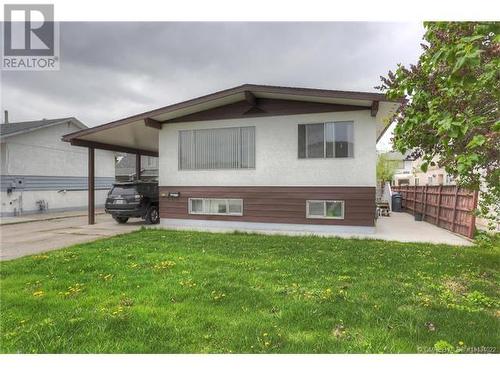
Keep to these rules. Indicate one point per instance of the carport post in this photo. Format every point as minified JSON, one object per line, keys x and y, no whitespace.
{"x":138,"y":166}
{"x":91,"y":185}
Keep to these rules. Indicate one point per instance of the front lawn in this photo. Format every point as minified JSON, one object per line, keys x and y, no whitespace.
{"x":156,"y":291}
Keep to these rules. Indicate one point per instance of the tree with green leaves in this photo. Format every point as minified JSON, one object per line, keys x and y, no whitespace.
{"x":451,"y":108}
{"x":385,"y":169}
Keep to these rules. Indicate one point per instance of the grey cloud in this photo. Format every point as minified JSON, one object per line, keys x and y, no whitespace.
{"x":111,"y":70}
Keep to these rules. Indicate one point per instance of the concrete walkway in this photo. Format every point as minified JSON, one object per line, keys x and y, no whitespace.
{"x":36,"y":235}
{"x":32,"y":237}
{"x":45,"y":216}
{"x":402,"y":227}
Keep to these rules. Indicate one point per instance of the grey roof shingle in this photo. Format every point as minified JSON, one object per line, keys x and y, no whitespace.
{"x":21,"y":127}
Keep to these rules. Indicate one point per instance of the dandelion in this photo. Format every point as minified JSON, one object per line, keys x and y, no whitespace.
{"x":38,"y":293}
{"x":187,"y":283}
{"x":217,"y":295}
{"x":164,"y":265}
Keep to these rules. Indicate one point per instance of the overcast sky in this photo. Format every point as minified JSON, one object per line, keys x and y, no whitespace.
{"x":112,"y":70}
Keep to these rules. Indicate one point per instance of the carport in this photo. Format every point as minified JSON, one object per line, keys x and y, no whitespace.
{"x":139,"y":134}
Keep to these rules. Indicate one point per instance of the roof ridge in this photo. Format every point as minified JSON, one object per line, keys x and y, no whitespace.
{"x":42,"y":120}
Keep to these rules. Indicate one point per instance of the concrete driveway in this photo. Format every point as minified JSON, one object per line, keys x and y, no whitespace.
{"x":32,"y":237}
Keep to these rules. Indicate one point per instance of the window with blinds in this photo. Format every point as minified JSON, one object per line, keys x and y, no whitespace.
{"x":221,"y":148}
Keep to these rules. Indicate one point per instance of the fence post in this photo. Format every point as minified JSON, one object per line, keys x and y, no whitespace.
{"x":440,"y":194}
{"x":455,"y":199}
{"x":424,"y":203}
{"x":414,"y":198}
{"x":473,"y":219}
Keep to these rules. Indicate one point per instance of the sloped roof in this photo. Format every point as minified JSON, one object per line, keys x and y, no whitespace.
{"x":140,"y":133}
{"x":14,"y":128}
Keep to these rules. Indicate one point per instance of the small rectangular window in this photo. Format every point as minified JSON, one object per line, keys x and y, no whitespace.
{"x":319,"y":209}
{"x":326,"y":140}
{"x":215,"y":206}
{"x":196,"y":206}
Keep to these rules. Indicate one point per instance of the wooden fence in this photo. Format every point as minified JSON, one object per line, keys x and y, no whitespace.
{"x":448,"y":207}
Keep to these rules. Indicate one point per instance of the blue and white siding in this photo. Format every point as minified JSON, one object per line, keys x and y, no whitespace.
{"x":38,"y":166}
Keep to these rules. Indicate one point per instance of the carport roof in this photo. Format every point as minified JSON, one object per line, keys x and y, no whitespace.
{"x":139,"y":133}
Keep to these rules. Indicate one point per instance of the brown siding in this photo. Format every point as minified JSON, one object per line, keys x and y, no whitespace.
{"x":265,"y":107}
{"x":274,"y":204}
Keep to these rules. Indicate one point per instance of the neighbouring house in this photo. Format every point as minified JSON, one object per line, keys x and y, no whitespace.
{"x":40,"y":173}
{"x":126,"y":168}
{"x":435,"y":175}
{"x":259,"y":158}
{"x":403,"y":167}
{"x":408,"y":172}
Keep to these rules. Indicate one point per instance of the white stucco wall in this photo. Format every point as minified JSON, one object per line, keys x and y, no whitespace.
{"x":42,"y":153}
{"x":26,"y":200}
{"x":277,"y":163}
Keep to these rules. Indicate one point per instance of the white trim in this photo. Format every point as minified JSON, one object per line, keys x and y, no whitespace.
{"x":204,"y":200}
{"x":324,"y":201}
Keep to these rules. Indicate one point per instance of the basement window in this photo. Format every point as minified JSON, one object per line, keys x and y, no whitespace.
{"x":319,"y":209}
{"x":215,"y":206}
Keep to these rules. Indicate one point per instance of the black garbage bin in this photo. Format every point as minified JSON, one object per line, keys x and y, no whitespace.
{"x":396,"y":202}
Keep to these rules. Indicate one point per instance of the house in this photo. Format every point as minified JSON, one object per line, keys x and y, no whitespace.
{"x":435,"y":175}
{"x":259,"y":158}
{"x":40,"y":173}
{"x":126,"y":169}
{"x":403,"y":167}
{"x":408,"y":172}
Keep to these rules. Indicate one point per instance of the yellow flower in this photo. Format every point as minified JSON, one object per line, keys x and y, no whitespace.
{"x":38,"y":293}
{"x":461,"y":343}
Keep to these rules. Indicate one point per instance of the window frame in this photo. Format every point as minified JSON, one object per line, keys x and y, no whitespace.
{"x":179,"y":153}
{"x":204,"y":204}
{"x":324,"y":140}
{"x":325,"y":201}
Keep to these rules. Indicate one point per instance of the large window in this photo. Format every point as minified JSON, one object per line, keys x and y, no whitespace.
{"x":325,"y":209}
{"x":222,"y":148}
{"x":215,"y":206}
{"x":326,"y":140}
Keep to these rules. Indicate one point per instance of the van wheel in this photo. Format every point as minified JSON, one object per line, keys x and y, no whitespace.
{"x":120,"y":219}
{"x":152,"y":215}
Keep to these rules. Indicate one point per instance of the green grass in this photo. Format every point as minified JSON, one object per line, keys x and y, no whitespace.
{"x":156,"y":291}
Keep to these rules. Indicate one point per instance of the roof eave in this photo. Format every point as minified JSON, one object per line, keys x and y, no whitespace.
{"x":334,"y":94}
